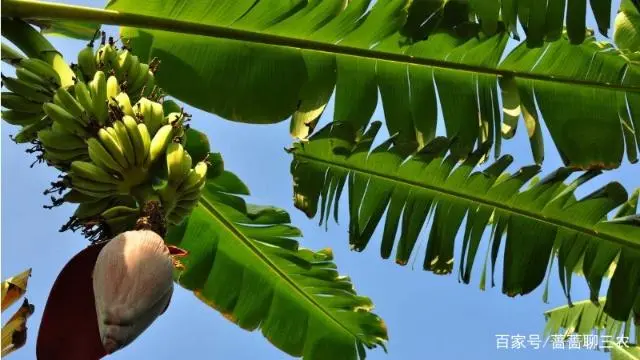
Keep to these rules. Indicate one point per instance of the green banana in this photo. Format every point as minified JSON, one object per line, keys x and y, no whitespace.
{"x":121,"y":224}
{"x":60,"y":140}
{"x":98,"y":90}
{"x":32,"y":92}
{"x":125,"y":59}
{"x":195,"y":179}
{"x":87,"y":62}
{"x":83,"y":95}
{"x":92,"y":208}
{"x":30,"y":77}
{"x":20,"y":118}
{"x":141,"y":78}
{"x":151,"y":113}
{"x":101,"y":157}
{"x":160,"y":142}
{"x":136,"y":139}
{"x":113,"y":88}
{"x":42,"y":69}
{"x":149,"y":85}
{"x":124,"y":103}
{"x":115,"y":149}
{"x":62,"y":116}
{"x":118,"y":211}
{"x":75,"y":197}
{"x":133,"y":71}
{"x":16,"y":102}
{"x":175,"y":155}
{"x":64,"y":156}
{"x":69,"y":103}
{"x":30,"y":132}
{"x":125,"y":141}
{"x":93,"y":172}
{"x":106,"y":56}
{"x":146,"y":143}
{"x":92,"y":188}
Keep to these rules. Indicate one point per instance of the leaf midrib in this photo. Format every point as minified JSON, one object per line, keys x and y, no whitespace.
{"x":210,"y":207}
{"x":54,"y":11}
{"x":474,"y":199}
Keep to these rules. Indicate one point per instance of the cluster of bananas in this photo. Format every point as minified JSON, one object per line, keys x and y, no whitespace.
{"x":35,"y":83}
{"x":138,"y":77}
{"x":114,"y":153}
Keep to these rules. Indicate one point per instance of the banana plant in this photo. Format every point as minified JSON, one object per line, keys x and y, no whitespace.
{"x":136,"y":173}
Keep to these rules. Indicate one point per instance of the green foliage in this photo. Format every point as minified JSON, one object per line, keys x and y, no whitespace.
{"x":244,"y":261}
{"x":539,"y":222}
{"x":549,"y":73}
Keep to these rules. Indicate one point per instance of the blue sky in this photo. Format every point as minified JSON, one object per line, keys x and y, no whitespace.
{"x":427,"y":315}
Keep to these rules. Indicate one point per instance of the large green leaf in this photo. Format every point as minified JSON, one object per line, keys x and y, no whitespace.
{"x":262,"y":83}
{"x":625,"y":352}
{"x":540,"y":223}
{"x":244,"y":262}
{"x":583,"y":318}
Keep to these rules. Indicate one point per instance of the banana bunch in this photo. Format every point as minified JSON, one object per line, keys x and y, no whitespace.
{"x":120,"y":158}
{"x":139,"y":77}
{"x":35,"y":84}
{"x":184,"y":184}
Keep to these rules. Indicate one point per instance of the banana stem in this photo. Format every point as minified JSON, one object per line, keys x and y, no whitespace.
{"x":29,"y":9}
{"x":35,"y":45}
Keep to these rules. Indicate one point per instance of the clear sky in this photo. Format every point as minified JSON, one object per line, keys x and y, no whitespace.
{"x":428,"y":316}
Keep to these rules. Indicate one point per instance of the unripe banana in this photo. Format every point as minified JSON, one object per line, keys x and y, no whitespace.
{"x":16,"y":102}
{"x":149,"y":85}
{"x":92,"y":208}
{"x":42,"y":69}
{"x":195,"y":179}
{"x":132,"y":284}
{"x":175,"y":119}
{"x":87,"y":62}
{"x":140,"y":80}
{"x":151,"y":113}
{"x":30,"y":132}
{"x":20,"y":118}
{"x":113,"y":146}
{"x":64,"y":156}
{"x":90,"y":171}
{"x":123,"y":64}
{"x":70,"y":104}
{"x":125,"y":142}
{"x":124,"y":103}
{"x":160,"y":142}
{"x":146,"y":143}
{"x":60,"y":140}
{"x":175,"y":155}
{"x":92,"y":188}
{"x":83,"y":95}
{"x":120,"y":210}
{"x":136,"y":139}
{"x":62,"y":116}
{"x":32,"y":78}
{"x":101,"y":157}
{"x":113,"y":88}
{"x":32,"y":92}
{"x":106,"y":56}
{"x":98,"y":89}
{"x":133,"y":71}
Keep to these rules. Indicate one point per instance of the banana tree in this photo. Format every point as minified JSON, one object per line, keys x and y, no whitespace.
{"x":289,"y":58}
